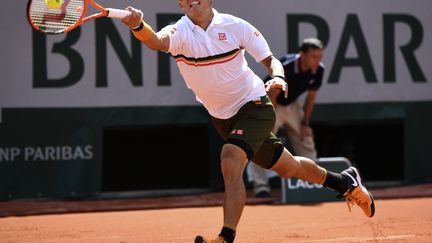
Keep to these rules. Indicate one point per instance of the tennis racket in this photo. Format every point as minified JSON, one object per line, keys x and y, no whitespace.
{"x":71,"y":14}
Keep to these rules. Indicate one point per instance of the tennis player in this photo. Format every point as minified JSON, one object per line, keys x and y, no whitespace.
{"x":209,"y":49}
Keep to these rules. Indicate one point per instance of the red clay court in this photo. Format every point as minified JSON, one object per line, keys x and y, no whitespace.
{"x":404,"y":214}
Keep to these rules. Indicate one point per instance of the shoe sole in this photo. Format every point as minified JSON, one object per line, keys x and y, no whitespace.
{"x":372,"y":205}
{"x":359,"y":181}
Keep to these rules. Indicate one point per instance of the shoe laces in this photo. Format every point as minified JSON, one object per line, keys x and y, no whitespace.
{"x":354,"y":197}
{"x":348,"y":203}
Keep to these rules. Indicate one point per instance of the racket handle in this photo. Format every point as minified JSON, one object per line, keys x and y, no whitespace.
{"x":117,"y":13}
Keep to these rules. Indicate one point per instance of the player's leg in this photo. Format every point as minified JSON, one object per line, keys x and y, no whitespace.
{"x":233,"y":163}
{"x":244,"y":133}
{"x":348,"y":183}
{"x":289,"y":166}
{"x":305,"y":169}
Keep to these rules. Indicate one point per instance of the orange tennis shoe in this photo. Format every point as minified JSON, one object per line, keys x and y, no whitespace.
{"x":357,"y":193}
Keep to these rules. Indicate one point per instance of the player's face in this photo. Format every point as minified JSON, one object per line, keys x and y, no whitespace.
{"x":312,"y":58}
{"x":196,"y":9}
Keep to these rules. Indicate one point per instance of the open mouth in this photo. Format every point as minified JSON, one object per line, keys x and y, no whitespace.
{"x":193,"y":4}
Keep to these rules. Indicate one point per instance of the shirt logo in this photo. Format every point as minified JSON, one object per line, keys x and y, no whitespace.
{"x":222,"y":36}
{"x":257,"y":33}
{"x":354,"y":181}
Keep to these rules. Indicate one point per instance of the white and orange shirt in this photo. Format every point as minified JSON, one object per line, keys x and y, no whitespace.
{"x":212,"y":61}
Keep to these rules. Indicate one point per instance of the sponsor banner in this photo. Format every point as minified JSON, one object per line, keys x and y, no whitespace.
{"x":46,"y":153}
{"x":375,"y":52}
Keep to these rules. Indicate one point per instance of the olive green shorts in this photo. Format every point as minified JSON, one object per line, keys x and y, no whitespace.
{"x":250,"y":129}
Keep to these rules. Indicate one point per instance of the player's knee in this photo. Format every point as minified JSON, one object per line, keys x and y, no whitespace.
{"x":233,"y":162}
{"x":231,"y":167}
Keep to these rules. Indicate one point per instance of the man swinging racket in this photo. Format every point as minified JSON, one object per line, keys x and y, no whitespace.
{"x":209,"y":48}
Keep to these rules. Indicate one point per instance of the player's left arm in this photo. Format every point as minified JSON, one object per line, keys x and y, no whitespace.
{"x":276,"y":71}
{"x":256,"y":45}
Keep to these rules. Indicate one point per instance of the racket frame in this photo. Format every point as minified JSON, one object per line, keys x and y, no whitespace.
{"x":103,"y":12}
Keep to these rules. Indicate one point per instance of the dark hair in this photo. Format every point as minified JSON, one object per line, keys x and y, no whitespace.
{"x":311,"y":43}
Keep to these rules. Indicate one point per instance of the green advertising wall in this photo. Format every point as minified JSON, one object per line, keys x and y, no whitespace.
{"x":377,"y":77}
{"x":57,"y":153}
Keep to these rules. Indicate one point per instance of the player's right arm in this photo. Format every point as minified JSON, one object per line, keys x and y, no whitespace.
{"x":142,"y":31}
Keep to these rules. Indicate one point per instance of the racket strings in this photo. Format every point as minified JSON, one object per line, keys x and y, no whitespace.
{"x":55,"y":20}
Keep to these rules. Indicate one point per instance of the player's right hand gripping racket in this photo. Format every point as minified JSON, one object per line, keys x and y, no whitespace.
{"x":69,"y":15}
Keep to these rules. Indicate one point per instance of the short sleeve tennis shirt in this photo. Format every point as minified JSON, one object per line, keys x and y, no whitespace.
{"x":212,"y":61}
